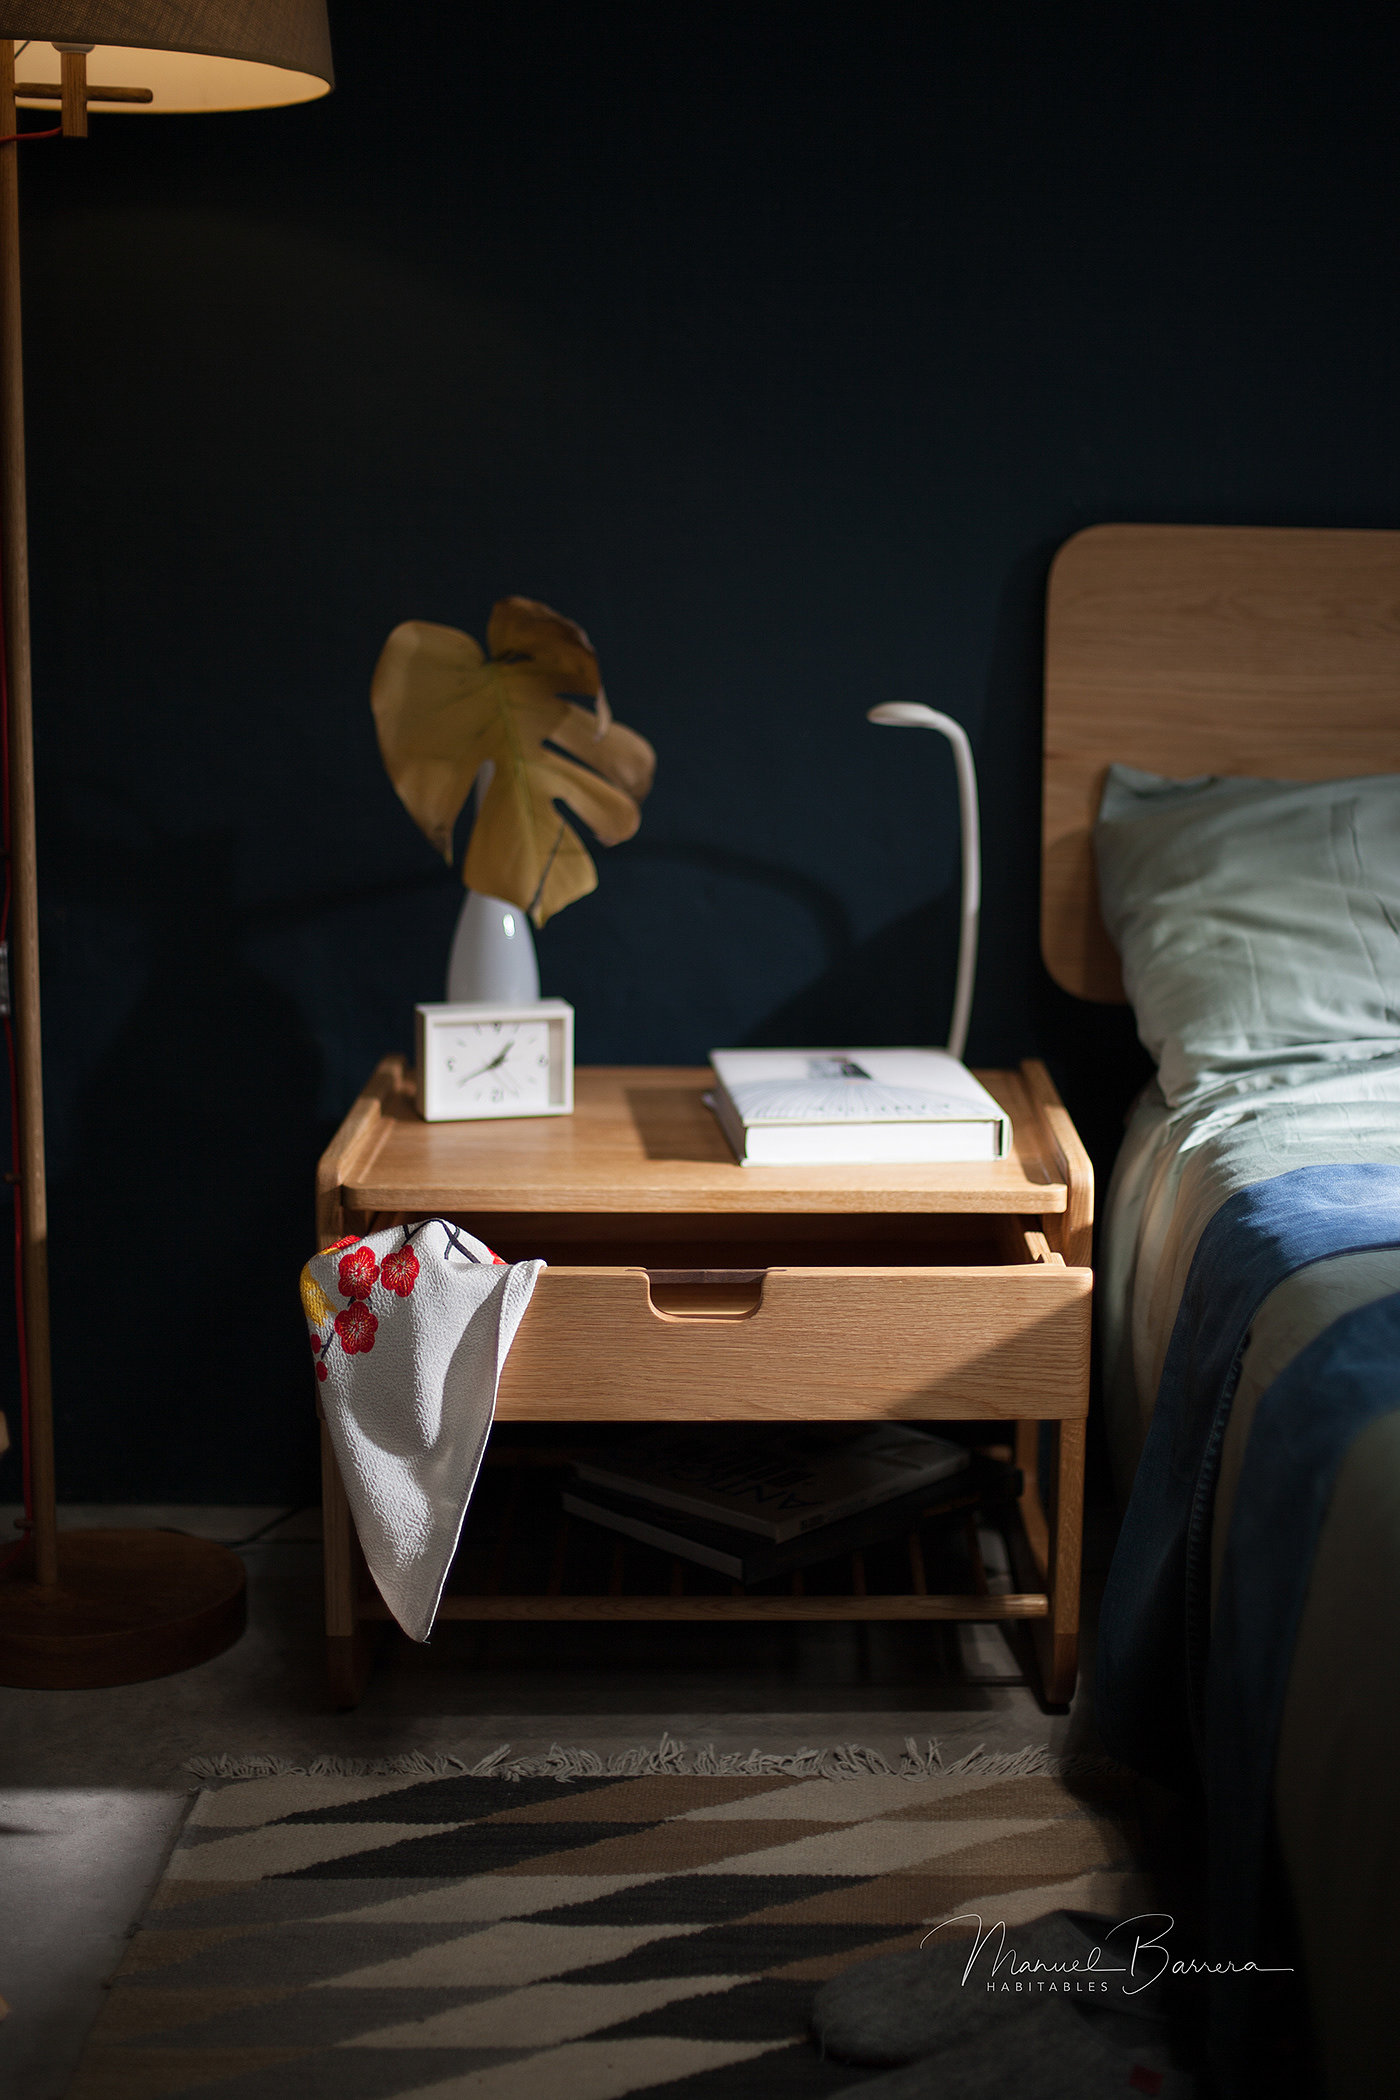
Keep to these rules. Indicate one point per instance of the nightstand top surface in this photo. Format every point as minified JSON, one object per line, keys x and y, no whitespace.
{"x":640,"y":1139}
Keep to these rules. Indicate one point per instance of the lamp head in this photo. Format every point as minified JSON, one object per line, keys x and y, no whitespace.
{"x":192,"y":54}
{"x":912,"y":714}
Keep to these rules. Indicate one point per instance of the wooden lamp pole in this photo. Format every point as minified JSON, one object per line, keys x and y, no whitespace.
{"x":99,"y":1607}
{"x":32,"y":1193}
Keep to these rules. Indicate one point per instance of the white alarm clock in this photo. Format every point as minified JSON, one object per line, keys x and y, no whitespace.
{"x":479,"y":1060}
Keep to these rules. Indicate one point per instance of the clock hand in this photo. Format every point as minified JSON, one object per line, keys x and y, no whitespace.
{"x":498,"y":1059}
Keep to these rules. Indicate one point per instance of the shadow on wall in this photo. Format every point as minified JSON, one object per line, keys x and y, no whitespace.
{"x":182,"y":1212}
{"x":895,"y":987}
{"x":892,"y":988}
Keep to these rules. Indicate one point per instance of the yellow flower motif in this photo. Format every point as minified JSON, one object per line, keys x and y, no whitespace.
{"x":315,"y":1304}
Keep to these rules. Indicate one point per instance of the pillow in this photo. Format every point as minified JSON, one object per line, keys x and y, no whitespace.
{"x":1258,"y":922}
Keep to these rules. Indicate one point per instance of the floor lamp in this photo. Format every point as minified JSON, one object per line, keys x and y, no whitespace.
{"x":89,"y":1608}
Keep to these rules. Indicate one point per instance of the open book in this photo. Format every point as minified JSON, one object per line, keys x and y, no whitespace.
{"x":854,"y":1107}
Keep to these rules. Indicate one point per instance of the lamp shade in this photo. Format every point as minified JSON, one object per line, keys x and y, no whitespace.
{"x":191,"y":54}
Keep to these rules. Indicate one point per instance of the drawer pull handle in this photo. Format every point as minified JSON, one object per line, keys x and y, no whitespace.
{"x":706,"y":1294}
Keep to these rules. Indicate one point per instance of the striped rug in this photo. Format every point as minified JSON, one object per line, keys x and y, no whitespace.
{"x":650,"y":1924}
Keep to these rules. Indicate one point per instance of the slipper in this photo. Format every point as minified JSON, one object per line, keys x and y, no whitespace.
{"x":1041,"y":2052}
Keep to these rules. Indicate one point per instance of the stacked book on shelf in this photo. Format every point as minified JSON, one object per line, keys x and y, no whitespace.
{"x":757,"y":1503}
{"x":854,"y":1108}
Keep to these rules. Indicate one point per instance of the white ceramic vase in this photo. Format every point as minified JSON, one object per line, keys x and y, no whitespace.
{"x":493,"y":954}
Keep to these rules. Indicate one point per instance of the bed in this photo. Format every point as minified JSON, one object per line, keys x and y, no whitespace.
{"x":1230,"y":659}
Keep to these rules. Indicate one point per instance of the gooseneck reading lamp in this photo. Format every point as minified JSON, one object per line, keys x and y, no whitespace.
{"x":98,"y":1607}
{"x":912,"y":714}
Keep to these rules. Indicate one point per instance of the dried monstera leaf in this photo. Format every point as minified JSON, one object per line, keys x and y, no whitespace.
{"x":443,"y":708}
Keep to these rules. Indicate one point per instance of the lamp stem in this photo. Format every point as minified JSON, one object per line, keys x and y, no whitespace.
{"x":32,"y":1194}
{"x":971,"y":886}
{"x":912,"y":714}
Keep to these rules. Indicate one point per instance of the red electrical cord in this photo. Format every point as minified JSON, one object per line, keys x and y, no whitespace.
{"x":17,"y":138}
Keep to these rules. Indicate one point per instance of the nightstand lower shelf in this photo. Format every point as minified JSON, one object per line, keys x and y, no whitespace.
{"x":887,"y":1582}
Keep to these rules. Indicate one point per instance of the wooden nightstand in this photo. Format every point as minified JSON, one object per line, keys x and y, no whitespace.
{"x":683,"y":1287}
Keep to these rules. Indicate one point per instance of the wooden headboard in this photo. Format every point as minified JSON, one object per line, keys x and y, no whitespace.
{"x":1190,"y":649}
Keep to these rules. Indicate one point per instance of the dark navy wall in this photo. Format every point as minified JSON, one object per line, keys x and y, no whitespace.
{"x":779,"y":343}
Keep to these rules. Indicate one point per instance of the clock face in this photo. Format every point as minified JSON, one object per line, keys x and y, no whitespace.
{"x":492,"y":1067}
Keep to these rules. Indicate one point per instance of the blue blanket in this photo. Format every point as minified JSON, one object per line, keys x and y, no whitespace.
{"x":1301,"y":1431}
{"x":1170,"y":1699}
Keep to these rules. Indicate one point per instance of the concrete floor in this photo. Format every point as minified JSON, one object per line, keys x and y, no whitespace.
{"x":94,"y":1786}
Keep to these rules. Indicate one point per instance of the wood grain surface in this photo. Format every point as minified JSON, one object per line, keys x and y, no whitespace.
{"x":895,"y":1605}
{"x":641,"y":1141}
{"x":819,"y":1343}
{"x":1204,"y":649}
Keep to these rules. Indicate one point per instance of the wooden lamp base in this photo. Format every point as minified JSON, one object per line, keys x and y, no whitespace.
{"x":128,"y":1605}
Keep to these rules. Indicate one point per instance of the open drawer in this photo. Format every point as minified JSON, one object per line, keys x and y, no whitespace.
{"x":1009,"y":1340}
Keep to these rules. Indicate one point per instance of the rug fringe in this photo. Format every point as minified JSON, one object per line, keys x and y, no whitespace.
{"x":670,"y":1756}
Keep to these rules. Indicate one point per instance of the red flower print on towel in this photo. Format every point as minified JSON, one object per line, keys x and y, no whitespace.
{"x":356,"y":1272}
{"x":321,"y":1372}
{"x":356,"y":1327}
{"x":400,"y":1272}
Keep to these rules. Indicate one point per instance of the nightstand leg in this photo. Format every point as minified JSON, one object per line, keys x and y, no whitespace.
{"x":348,"y":1651}
{"x":1060,"y":1654}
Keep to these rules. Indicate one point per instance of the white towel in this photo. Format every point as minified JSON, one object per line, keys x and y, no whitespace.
{"x":410,"y":1329}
